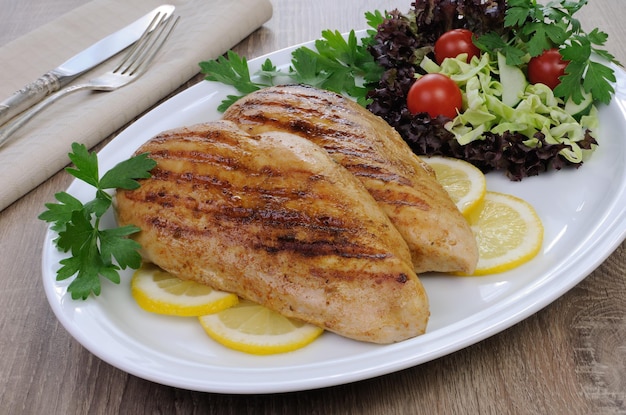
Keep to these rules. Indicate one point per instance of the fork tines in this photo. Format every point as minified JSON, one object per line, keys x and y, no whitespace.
{"x":150,"y":42}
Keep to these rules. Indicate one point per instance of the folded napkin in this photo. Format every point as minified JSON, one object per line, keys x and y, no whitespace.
{"x":206,"y":30}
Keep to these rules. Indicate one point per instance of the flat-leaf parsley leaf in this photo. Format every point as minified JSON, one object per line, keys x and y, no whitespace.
{"x":94,"y":252}
{"x":533,"y":28}
{"x":337,"y":64}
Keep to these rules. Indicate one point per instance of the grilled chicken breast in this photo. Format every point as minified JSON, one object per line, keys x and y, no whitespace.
{"x":275,"y":220}
{"x":403,"y":185}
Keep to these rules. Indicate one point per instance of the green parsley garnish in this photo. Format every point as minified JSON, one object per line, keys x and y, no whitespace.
{"x":337,"y":64}
{"x":533,"y":28}
{"x":93,"y":250}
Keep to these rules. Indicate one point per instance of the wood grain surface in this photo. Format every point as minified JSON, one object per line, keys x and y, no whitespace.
{"x":569,"y":358}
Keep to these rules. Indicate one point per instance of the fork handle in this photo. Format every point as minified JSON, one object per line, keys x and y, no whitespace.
{"x":7,"y":130}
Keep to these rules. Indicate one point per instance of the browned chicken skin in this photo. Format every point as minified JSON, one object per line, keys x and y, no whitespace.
{"x":275,"y":220}
{"x":405,"y":187}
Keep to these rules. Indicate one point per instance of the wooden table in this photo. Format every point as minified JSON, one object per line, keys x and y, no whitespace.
{"x":568,"y":358}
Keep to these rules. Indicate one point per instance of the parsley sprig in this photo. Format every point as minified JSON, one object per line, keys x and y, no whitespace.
{"x":337,"y":64}
{"x":533,"y":28}
{"x":94,"y":252}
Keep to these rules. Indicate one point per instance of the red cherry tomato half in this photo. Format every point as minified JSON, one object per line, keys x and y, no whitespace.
{"x":454,"y":42}
{"x":547,"y":68}
{"x":435,"y":94}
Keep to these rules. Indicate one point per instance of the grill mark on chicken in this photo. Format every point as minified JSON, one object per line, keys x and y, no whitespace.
{"x":339,"y":247}
{"x":222,"y":188}
{"x":364,"y":275}
{"x":375,"y":172}
{"x":258,"y":112}
{"x":342,"y":150}
{"x":192,"y":158}
{"x":404,"y":199}
{"x":343,"y":249}
{"x":270,"y":214}
{"x":196,"y":157}
{"x":284,"y":224}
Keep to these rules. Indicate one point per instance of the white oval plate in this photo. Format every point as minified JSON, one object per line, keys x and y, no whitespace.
{"x":583,"y":212}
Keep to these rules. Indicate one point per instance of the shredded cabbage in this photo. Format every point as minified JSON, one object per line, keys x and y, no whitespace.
{"x":483,"y":110}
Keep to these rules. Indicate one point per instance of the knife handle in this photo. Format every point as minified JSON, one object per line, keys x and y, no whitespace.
{"x":28,"y":96}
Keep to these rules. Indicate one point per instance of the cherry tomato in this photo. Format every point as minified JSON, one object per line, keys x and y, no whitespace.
{"x":547,"y":68}
{"x":454,"y":42}
{"x":435,"y":94}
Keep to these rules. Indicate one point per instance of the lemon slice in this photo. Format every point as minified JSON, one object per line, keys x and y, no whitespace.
{"x":252,"y":328}
{"x":463,"y":181}
{"x":508,"y":232}
{"x":160,"y":292}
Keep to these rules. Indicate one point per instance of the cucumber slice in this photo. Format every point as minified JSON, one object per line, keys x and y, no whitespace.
{"x":513,"y":82}
{"x":580,"y":109}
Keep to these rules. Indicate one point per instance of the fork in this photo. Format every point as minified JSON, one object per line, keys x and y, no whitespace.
{"x":134,"y":64}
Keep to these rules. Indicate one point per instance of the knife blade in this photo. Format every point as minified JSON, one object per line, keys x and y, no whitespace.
{"x":62,"y":75}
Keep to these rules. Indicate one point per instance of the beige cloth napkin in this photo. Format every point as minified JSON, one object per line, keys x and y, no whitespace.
{"x":207,"y":29}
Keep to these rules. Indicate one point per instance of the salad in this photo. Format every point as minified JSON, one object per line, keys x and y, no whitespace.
{"x":506,"y":85}
{"x":528,"y":84}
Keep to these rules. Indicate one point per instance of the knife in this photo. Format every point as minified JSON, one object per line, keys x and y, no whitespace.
{"x":95,"y":54}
